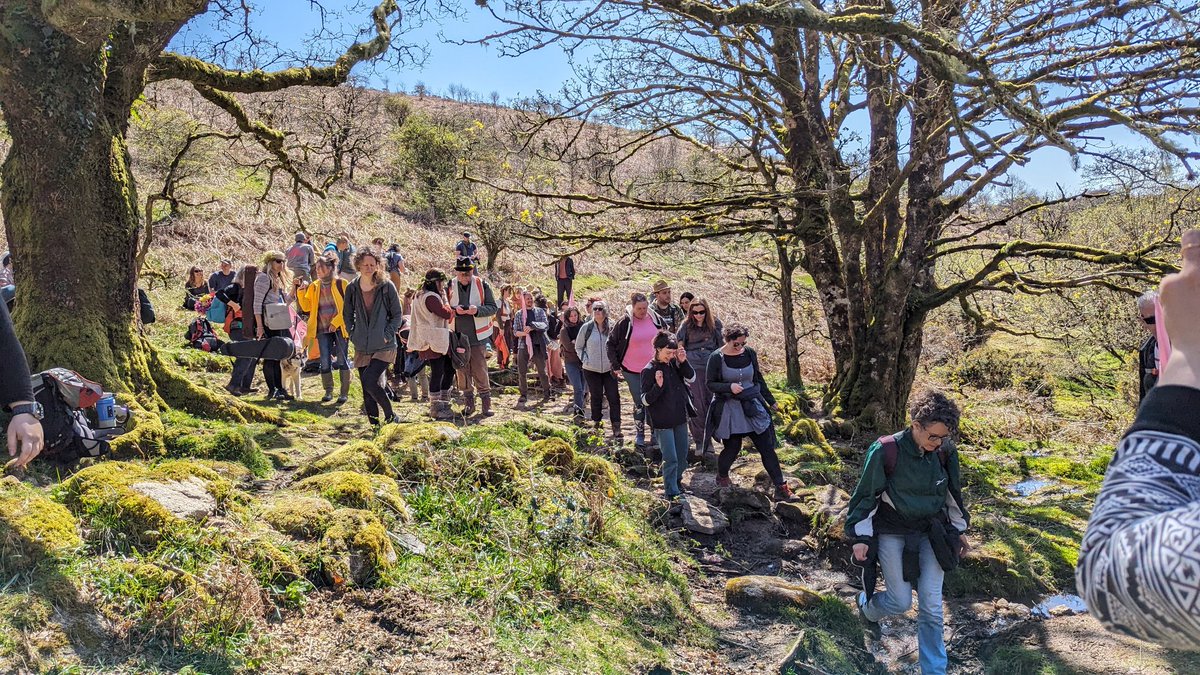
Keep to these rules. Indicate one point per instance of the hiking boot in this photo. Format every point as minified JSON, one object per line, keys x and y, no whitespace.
{"x":724,"y":482}
{"x":639,"y":435}
{"x":373,"y":421}
{"x":783,"y":493}
{"x":327,"y":382}
{"x":236,"y":391}
{"x":392,"y":419}
{"x":344,"y":384}
{"x":486,"y":401}
{"x":469,"y":406}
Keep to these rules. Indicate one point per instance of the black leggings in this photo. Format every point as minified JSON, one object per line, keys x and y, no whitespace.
{"x":602,"y":386}
{"x":441,"y":374}
{"x":272,"y":373}
{"x":764,"y":443}
{"x":374,"y":397}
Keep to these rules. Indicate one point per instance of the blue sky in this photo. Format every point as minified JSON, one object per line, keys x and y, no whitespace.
{"x":483,"y":70}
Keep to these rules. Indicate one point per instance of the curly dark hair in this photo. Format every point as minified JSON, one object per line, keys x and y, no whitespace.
{"x":932,"y":406}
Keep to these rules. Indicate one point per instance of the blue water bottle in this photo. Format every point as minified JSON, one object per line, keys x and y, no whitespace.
{"x":106,"y":412}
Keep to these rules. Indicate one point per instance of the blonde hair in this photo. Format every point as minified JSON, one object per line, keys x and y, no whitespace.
{"x":281,"y":280}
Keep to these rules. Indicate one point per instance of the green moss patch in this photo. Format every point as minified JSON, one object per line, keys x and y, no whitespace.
{"x":358,"y":456}
{"x":102,"y":495}
{"x":230,"y":444}
{"x":300,"y":516}
{"x":360,"y":491}
{"x":356,"y":548}
{"x":33,"y":529}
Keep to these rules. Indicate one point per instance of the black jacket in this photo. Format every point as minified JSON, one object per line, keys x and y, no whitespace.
{"x":14,"y":374}
{"x":1147,"y":366}
{"x":671,"y":404}
{"x":722,"y":391}
{"x":618,"y":339}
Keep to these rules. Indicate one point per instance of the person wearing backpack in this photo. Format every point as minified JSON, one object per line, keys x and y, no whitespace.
{"x":530,"y":324}
{"x":242,"y":378}
{"x":345,"y":254}
{"x":323,"y":301}
{"x":908,"y":513}
{"x":25,"y":436}
{"x":665,"y":393}
{"x":591,"y":343}
{"x":572,"y":323}
{"x":429,"y":336}
{"x":301,"y":257}
{"x":273,"y":286}
{"x":372,"y":314}
{"x":630,"y":348}
{"x":700,"y":336}
{"x":395,"y":265}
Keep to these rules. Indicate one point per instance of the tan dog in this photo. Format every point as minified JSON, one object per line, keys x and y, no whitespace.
{"x":291,"y":368}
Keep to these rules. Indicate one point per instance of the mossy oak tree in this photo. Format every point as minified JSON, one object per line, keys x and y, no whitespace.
{"x":70,"y":70}
{"x":865,"y":141}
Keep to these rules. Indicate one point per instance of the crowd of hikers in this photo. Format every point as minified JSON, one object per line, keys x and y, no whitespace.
{"x":693,"y":379}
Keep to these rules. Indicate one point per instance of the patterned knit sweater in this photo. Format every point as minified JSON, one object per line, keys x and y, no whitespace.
{"x":1139,"y":566}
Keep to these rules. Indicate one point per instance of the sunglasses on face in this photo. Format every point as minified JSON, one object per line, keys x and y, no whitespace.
{"x":699,"y":313}
{"x":739,"y":343}
{"x":1148,"y":320}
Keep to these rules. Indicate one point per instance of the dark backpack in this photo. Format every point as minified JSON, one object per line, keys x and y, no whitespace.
{"x":200,"y":335}
{"x":891,"y":451}
{"x":64,"y":396}
{"x":393,"y":259}
{"x":145,"y":309}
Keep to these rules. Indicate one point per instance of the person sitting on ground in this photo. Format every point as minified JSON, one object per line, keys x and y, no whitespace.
{"x":429,"y":336}
{"x":1148,"y":358}
{"x":670,"y":313}
{"x":196,"y":286}
{"x":741,"y":408}
{"x":564,"y":278}
{"x":345,"y":253}
{"x":474,"y":304}
{"x":371,"y":313}
{"x":529,"y":329}
{"x":592,"y":346}
{"x":908,"y":508}
{"x":700,"y":336}
{"x":242,"y":378}
{"x":273,"y":285}
{"x":665,"y":382}
{"x":219,"y":280}
{"x":25,"y":436}
{"x":630,"y":348}
{"x":323,"y":301}
{"x":1137,"y":569}
{"x":467,"y":248}
{"x":301,"y":257}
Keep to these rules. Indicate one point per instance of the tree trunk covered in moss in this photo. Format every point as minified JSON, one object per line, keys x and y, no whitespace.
{"x":71,"y":210}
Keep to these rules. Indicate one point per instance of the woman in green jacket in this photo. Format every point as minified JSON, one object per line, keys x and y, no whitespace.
{"x":907,"y":500}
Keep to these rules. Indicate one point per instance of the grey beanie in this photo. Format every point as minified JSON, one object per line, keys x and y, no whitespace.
{"x":300,"y":237}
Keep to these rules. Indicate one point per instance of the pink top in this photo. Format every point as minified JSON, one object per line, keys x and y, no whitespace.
{"x":641,"y":345}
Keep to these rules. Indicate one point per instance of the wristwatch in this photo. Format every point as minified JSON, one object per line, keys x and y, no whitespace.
{"x":34,"y":409}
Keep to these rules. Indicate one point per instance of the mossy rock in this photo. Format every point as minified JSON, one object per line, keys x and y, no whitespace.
{"x":554,"y":454}
{"x":275,"y":562}
{"x":393,"y":437}
{"x":357,"y":456}
{"x":229,"y":444}
{"x":360,"y":491}
{"x":356,"y":548}
{"x":597,"y":472}
{"x":495,"y":469}
{"x":104,"y":497}
{"x":299,"y":516}
{"x":768,"y":594}
{"x":33,"y":528}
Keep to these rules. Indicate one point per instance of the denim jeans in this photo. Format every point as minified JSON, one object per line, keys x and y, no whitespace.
{"x":332,"y":346}
{"x":575,"y":375}
{"x":931,"y":644}
{"x":634,"y":382}
{"x":674,"y":445}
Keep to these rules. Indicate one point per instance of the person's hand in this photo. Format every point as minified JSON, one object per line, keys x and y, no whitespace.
{"x":736,"y":388}
{"x":681,"y":355}
{"x":258,"y":331}
{"x":966,"y":544}
{"x":1180,"y":296}
{"x":658,"y":377}
{"x":237,"y":307}
{"x":860,"y":552}
{"x":618,"y":374}
{"x":472,"y":310}
{"x":25,"y":439}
